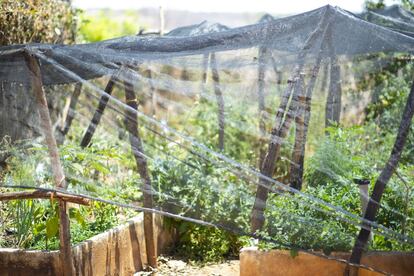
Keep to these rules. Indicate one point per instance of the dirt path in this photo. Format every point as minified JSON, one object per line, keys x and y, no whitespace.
{"x":168,"y":266}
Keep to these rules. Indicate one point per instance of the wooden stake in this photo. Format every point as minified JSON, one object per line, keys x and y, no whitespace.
{"x":381,"y":183}
{"x":86,"y":140}
{"x":263,"y":56}
{"x":284,"y":115}
{"x":57,"y":170}
{"x":302,"y":125}
{"x":220,"y":100}
{"x":333,"y":100}
{"x":131,"y":121}
{"x":72,"y":108}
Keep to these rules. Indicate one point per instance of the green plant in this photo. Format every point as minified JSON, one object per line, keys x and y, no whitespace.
{"x":205,"y":243}
{"x":106,"y":25}
{"x":48,"y":21}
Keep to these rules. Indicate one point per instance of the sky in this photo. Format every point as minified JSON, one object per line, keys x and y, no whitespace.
{"x":269,"y":6}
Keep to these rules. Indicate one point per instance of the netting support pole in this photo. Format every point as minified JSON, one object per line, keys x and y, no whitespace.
{"x":204,"y":75}
{"x":103,"y":101}
{"x":279,"y":132}
{"x":380,"y":184}
{"x":285,"y":114}
{"x":71,"y":113}
{"x":131,"y":121}
{"x":220,"y":100}
{"x":334,"y":98}
{"x":301,"y":133}
{"x":263,"y":56}
{"x":57,"y":170}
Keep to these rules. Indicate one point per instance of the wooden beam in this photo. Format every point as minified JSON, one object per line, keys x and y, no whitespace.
{"x":131,"y":121}
{"x":72,"y":108}
{"x":301,"y":133}
{"x":44,"y":195}
{"x":284,"y":116}
{"x":87,"y":137}
{"x":57,"y":170}
{"x":261,"y":71}
{"x":334,"y":98}
{"x":381,"y":183}
{"x":220,"y":100}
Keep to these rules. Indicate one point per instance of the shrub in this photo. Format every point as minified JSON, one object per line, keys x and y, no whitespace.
{"x":48,"y":21}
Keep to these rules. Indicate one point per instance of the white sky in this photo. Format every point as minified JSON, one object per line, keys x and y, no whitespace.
{"x":270,"y":6}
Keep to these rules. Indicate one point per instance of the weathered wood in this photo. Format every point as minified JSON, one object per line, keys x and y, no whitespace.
{"x":57,"y":170}
{"x":44,"y":195}
{"x":153,"y":94}
{"x":204,"y":75}
{"x":72,"y":109}
{"x":284,"y":115}
{"x":263,"y":56}
{"x":278,"y":134}
{"x":301,"y":132}
{"x":381,"y":183}
{"x":334,"y":98}
{"x":131,"y":121}
{"x":220,"y":100}
{"x":98,"y":113}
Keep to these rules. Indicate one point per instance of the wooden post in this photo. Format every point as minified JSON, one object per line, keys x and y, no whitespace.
{"x":302,"y":125}
{"x":333,"y":100}
{"x":204,"y":76}
{"x":220,"y":100}
{"x":263,"y":56}
{"x":381,"y":183}
{"x":57,"y":170}
{"x":284,"y":115}
{"x":72,"y":107}
{"x":131,"y":121}
{"x":98,"y":113}
{"x":278,"y":134}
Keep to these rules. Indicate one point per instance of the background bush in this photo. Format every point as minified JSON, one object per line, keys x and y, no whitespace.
{"x":48,"y":21}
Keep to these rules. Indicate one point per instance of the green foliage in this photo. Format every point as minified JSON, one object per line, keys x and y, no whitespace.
{"x":35,"y":223}
{"x":208,"y":193}
{"x":302,"y":224}
{"x":374,"y":5}
{"x":205,"y":243}
{"x":107,"y":24}
{"x":26,"y":21}
{"x":386,"y":110}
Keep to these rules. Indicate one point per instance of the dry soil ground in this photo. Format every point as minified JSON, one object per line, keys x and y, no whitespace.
{"x":170,"y":266}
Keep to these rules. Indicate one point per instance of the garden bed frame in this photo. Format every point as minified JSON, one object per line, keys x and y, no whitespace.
{"x":281,"y":262}
{"x":118,"y":251}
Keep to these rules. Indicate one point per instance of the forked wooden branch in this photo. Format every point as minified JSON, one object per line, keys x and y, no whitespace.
{"x":220,"y":100}
{"x":302,"y":124}
{"x":284,"y":116}
{"x":86,"y":140}
{"x":57,"y":169}
{"x":131,"y":122}
{"x":381,"y":183}
{"x":44,"y":195}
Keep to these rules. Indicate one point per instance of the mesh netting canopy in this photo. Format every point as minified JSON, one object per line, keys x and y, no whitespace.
{"x":247,"y":129}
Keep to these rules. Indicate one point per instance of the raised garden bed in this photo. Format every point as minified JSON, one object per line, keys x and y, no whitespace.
{"x":280,"y":262}
{"x":119,"y":251}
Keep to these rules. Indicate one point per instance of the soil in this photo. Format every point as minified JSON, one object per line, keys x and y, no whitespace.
{"x":172,"y":266}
